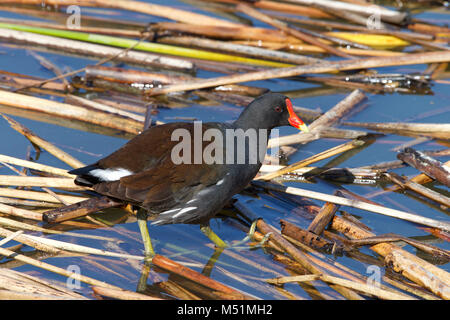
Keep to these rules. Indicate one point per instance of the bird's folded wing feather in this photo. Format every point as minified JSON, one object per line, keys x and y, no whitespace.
{"x":156,"y":181}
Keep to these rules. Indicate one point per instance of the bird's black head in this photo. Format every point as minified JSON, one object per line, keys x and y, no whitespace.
{"x":268,"y":111}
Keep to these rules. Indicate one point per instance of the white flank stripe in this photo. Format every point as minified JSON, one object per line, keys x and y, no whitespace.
{"x":170,"y":211}
{"x":184,"y":210}
{"x":110,"y":174}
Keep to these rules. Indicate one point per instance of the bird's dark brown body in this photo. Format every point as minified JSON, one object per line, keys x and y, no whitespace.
{"x":143,"y":172}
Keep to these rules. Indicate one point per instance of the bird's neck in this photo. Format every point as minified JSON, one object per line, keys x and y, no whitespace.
{"x":249,"y":119}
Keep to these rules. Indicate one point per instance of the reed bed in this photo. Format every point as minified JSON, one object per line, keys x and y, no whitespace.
{"x":142,"y":70}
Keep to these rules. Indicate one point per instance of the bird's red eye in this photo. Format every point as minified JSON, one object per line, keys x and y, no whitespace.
{"x":278,"y":109}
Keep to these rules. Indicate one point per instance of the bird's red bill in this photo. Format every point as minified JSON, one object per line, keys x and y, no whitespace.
{"x":294,"y":120}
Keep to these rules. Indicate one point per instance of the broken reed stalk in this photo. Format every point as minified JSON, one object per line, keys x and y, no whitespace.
{"x":147,"y":78}
{"x":290,"y":249}
{"x":14,"y":295}
{"x":415,"y":269}
{"x":19,"y":80}
{"x":136,"y":6}
{"x":121,"y":294}
{"x":361,"y":287}
{"x":179,"y":269}
{"x":42,"y":265}
{"x":432,"y":250}
{"x":102,"y":107}
{"x":307,"y":262}
{"x":289,"y":30}
{"x":332,"y":66}
{"x":108,"y":31}
{"x":326,"y":24}
{"x":308,"y":49}
{"x":323,"y":218}
{"x":10,"y":223}
{"x":53,"y":68}
{"x":69,"y":111}
{"x":324,"y":132}
{"x":383,"y":13}
{"x":309,"y":239}
{"x":76,"y":248}
{"x":39,"y":196}
{"x":428,"y":165}
{"x":430,"y":194}
{"x":79,"y":209}
{"x":96,"y":50}
{"x":251,"y":51}
{"x":317,"y":157}
{"x":60,"y":183}
{"x":346,"y":175}
{"x":300,"y":257}
{"x":325,"y":121}
{"x":237,"y":33}
{"x":47,"y":190}
{"x":35,"y":166}
{"x":356,"y":204}
{"x":29,"y":203}
{"x":17,"y":285}
{"x":22,"y":238}
{"x":143,"y":45}
{"x":340,"y":110}
{"x":433,"y":130}
{"x":419,"y":179}
{"x":22,"y":213}
{"x":58,"y":153}
{"x":423,"y":178}
{"x":307,"y":11}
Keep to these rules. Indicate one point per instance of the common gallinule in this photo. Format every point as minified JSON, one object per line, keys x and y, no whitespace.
{"x":189,"y":180}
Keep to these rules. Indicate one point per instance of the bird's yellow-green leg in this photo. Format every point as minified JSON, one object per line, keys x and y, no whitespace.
{"x":206,"y":229}
{"x":210,"y":264}
{"x":142,"y":222}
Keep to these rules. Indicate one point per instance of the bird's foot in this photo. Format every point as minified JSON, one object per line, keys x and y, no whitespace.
{"x":223,"y":244}
{"x":251,"y":237}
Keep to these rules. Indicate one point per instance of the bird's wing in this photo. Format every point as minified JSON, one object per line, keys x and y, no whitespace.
{"x":152,"y":179}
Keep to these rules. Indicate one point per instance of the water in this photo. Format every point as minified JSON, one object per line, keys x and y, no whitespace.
{"x":185,"y":243}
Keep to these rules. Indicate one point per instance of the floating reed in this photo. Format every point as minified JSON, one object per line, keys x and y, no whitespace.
{"x":290,"y":30}
{"x":35,"y":166}
{"x":22,"y":213}
{"x":363,"y":288}
{"x":356,"y":204}
{"x":325,"y":121}
{"x":404,"y":183}
{"x":61,"y":183}
{"x":428,"y":165}
{"x":241,"y":49}
{"x":384,"y":13}
{"x":39,"y":196}
{"x":51,"y":268}
{"x":416,"y":58}
{"x":121,"y":294}
{"x":317,"y":157}
{"x":41,"y":143}
{"x":96,"y":50}
{"x":21,"y":286}
{"x":143,"y":46}
{"x":137,"y":6}
{"x":433,"y":130}
{"x":69,"y":111}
